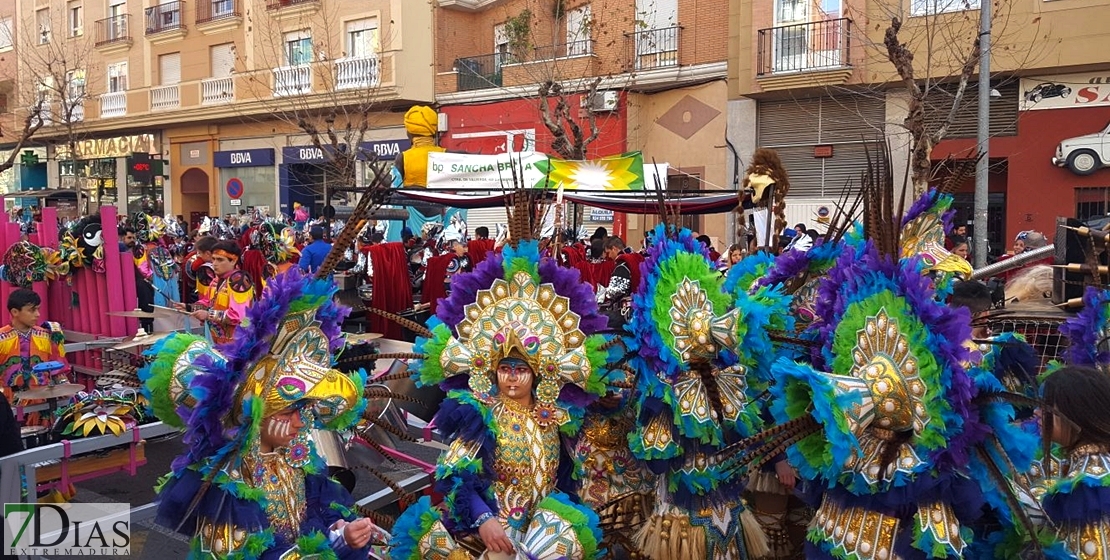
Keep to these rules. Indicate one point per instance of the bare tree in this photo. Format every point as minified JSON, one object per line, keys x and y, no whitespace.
{"x":51,"y":88}
{"x":935,"y":55}
{"x":567,"y":56}
{"x":323,"y":84}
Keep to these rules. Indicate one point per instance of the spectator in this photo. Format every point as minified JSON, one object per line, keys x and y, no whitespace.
{"x":313,"y":255}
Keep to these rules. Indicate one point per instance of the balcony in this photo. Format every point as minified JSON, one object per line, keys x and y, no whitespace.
{"x":113,"y":32}
{"x":76,"y":111}
{"x":214,"y":91}
{"x":653,"y":48}
{"x":291,"y":9}
{"x":357,"y":72}
{"x":164,"y":17}
{"x":804,"y":47}
{"x":292,"y":80}
{"x":584,"y":47}
{"x":165,"y":97}
{"x":113,"y":104}
{"x":216,"y":16}
{"x":481,"y":72}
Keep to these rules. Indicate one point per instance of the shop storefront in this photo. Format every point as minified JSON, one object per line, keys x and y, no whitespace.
{"x":1031,"y":188}
{"x":307,"y":175}
{"x":103,"y":172}
{"x":246,"y":179}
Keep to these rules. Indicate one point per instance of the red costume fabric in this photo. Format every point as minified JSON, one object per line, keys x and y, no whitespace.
{"x":434,"y":275}
{"x":633,"y":260}
{"x":596,"y":273}
{"x":478,"y":249}
{"x":254,"y":264}
{"x":392,"y":287}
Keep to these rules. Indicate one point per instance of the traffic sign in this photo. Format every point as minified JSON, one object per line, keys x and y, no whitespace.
{"x":236,"y":202}
{"x":234,"y":188}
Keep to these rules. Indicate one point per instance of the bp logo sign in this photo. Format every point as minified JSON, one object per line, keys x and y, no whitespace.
{"x":72,"y":529}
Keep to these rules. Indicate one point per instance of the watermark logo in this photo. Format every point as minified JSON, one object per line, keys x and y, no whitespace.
{"x":67,"y":529}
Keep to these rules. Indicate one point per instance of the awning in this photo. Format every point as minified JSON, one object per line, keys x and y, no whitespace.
{"x":639,"y":202}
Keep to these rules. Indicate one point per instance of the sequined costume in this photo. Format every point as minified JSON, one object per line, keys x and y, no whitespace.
{"x":507,"y":461}
{"x":702,"y":355}
{"x":885,"y":416}
{"x":276,"y":504}
{"x":227,"y":298}
{"x":21,"y":352}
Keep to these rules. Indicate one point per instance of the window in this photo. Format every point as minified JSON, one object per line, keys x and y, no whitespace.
{"x":75,"y":85}
{"x":362,"y":38}
{"x":1092,"y":202}
{"x":76,"y":19}
{"x":501,"y":46}
{"x":930,"y":7}
{"x":6,"y":39}
{"x":169,"y":66}
{"x":298,"y":48}
{"x":578,"y":31}
{"x":117,"y":77}
{"x":42,"y":19}
{"x":222,"y":8}
{"x":117,"y":8}
{"x":223,"y":59}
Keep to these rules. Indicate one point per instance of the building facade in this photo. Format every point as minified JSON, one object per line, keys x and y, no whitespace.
{"x":206,"y":108}
{"x":812,"y":80}
{"x":659,"y":66}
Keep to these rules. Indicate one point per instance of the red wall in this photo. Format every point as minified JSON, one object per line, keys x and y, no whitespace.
{"x":1037,"y":191}
{"x":520,"y":114}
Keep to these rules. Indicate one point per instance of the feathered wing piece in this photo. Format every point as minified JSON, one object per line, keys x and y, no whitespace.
{"x":922,"y":235}
{"x":280,"y":356}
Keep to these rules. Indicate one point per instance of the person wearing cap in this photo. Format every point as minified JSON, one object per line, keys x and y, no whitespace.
{"x":410,"y":168}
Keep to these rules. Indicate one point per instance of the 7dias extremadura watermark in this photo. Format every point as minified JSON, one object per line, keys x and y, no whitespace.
{"x":67,"y":529}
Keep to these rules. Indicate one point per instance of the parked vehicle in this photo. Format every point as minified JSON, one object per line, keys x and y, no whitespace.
{"x":1085,"y":154}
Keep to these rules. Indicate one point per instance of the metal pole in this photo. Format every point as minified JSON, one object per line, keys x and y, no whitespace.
{"x":983,"y":165}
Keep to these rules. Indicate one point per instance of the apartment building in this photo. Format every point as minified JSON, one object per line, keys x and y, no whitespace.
{"x":661,"y":64}
{"x":200,"y":107}
{"x":811,"y":78}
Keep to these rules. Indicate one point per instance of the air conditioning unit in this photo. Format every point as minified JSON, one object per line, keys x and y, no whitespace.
{"x":604,"y":101}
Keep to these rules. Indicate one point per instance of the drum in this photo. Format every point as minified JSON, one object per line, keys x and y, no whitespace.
{"x":34,"y":436}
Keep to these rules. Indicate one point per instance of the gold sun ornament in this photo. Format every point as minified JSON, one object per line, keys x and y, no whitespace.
{"x":98,"y":416}
{"x":619,"y":173}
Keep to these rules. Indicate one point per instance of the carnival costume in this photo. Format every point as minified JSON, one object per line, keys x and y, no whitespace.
{"x":506,"y":461}
{"x":767,"y":183}
{"x":700,"y":363}
{"x":21,"y":352}
{"x":887,"y":419}
{"x":232,"y":499}
{"x":227,"y":299}
{"x":155,"y":259}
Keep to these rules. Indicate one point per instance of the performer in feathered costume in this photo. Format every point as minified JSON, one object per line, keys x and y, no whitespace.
{"x":251,"y":484}
{"x":513,"y":348}
{"x":767,"y":183}
{"x":698,"y":358}
{"x":902,"y":437}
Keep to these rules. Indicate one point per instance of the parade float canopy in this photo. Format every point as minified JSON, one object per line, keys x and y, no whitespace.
{"x":619,"y":183}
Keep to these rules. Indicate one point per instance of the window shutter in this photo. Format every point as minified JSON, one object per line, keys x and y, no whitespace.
{"x":170,"y":68}
{"x":223,"y":60}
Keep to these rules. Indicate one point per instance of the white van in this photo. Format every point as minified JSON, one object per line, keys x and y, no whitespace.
{"x":1085,"y":154}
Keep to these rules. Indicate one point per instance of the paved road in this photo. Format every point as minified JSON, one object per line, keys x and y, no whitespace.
{"x":153,"y":542}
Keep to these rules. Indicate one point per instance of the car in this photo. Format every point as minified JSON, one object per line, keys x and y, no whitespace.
{"x":1084,"y":155}
{"x":1044,"y":91}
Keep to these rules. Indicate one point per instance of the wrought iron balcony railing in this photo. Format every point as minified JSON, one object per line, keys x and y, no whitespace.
{"x":653,"y":48}
{"x":116,"y":29}
{"x":212,"y":10}
{"x":164,"y":17}
{"x":804,"y":47}
{"x":481,"y":72}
